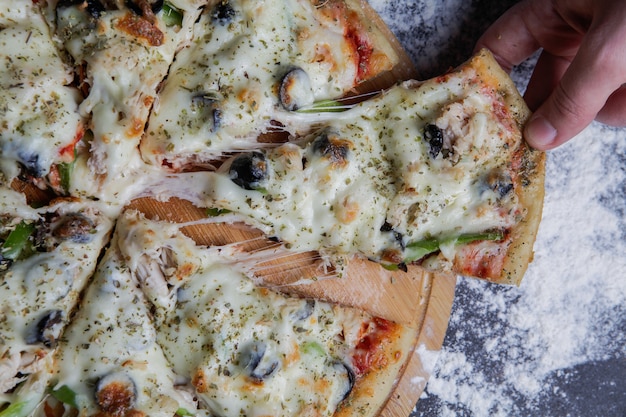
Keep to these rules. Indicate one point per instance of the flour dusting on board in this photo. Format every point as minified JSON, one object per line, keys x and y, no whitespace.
{"x":569,"y":310}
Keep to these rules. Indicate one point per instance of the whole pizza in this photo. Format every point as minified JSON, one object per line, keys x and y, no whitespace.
{"x":261,"y":114}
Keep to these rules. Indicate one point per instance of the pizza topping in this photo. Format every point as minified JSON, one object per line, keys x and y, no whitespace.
{"x":141,"y":28}
{"x":249,"y":170}
{"x":76,"y":227}
{"x":223,"y":12}
{"x":305,"y":311}
{"x":417,"y":250}
{"x":257,"y":362}
{"x":500,"y":182}
{"x":116,"y":393}
{"x":18,"y":243}
{"x":48,"y":329}
{"x":171,"y":15}
{"x":434,"y":136}
{"x":295,"y":90}
{"x":146,"y":8}
{"x":206,"y":107}
{"x":350,"y":379}
{"x":329,"y":145}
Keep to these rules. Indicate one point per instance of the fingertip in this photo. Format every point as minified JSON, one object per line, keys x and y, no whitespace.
{"x":540,"y":133}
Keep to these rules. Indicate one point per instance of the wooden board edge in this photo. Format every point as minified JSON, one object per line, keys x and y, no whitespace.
{"x":421,"y":364}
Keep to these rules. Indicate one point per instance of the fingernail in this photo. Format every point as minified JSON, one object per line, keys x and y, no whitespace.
{"x":539,"y":132}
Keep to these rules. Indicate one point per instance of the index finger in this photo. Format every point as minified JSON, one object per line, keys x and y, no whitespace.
{"x":508,"y":38}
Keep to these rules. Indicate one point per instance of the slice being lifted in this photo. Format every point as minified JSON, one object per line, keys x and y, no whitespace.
{"x":236,"y":348}
{"x":435,"y":173}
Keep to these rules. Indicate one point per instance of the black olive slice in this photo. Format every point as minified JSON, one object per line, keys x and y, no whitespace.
{"x":349,"y":380}
{"x":140,"y":7}
{"x":387,"y":227}
{"x":248,"y":170}
{"x":93,"y":7}
{"x":30,"y":164}
{"x":330,"y":146}
{"x":223,"y":13}
{"x":74,"y":227}
{"x":256,"y":362}
{"x":434,"y":137}
{"x":208,"y":106}
{"x":48,"y":329}
{"x":295,"y":90}
{"x":305,"y":311}
{"x":500,"y":182}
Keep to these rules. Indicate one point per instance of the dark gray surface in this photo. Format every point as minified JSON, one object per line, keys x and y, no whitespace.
{"x":440,"y":35}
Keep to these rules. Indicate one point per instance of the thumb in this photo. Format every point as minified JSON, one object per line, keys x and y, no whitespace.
{"x":577,"y":98}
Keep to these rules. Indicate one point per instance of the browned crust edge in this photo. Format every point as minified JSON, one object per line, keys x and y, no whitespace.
{"x":530,"y":179}
{"x":372,"y":391}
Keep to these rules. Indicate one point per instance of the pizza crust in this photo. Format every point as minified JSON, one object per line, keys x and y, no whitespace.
{"x":531,"y":172}
{"x":372,"y":391}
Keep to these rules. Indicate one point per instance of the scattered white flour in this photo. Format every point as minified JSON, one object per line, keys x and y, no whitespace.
{"x":570,"y":308}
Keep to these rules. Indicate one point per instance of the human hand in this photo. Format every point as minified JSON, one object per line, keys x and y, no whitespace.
{"x":581,"y":72}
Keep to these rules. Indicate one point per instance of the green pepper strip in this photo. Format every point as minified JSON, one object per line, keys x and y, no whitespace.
{"x":417,"y":250}
{"x":171,"y":15}
{"x":329,"y":106}
{"x":19,"y":409}
{"x":66,"y":395}
{"x":214,"y":211}
{"x":65,"y":174}
{"x":17,"y":241}
{"x":313,"y":348}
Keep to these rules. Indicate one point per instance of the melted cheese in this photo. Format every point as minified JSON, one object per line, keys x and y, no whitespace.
{"x":43,"y":283}
{"x":222,"y":91}
{"x":390,"y":191}
{"x":112,"y":336}
{"x":123,"y":71}
{"x":246,"y":349}
{"x":38,"y":111}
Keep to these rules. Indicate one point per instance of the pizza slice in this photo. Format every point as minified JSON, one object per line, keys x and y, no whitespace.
{"x":249,"y":65}
{"x":39,"y":120}
{"x":121,"y":52}
{"x":244,"y":349}
{"x":109,"y":362}
{"x":46,"y":258}
{"x":435,"y":173}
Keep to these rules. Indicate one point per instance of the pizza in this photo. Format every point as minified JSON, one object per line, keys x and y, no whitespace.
{"x":47,"y":257}
{"x":265,"y":117}
{"x":120,"y":52}
{"x":246,"y":350}
{"x":39,"y":122}
{"x":434,"y":172}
